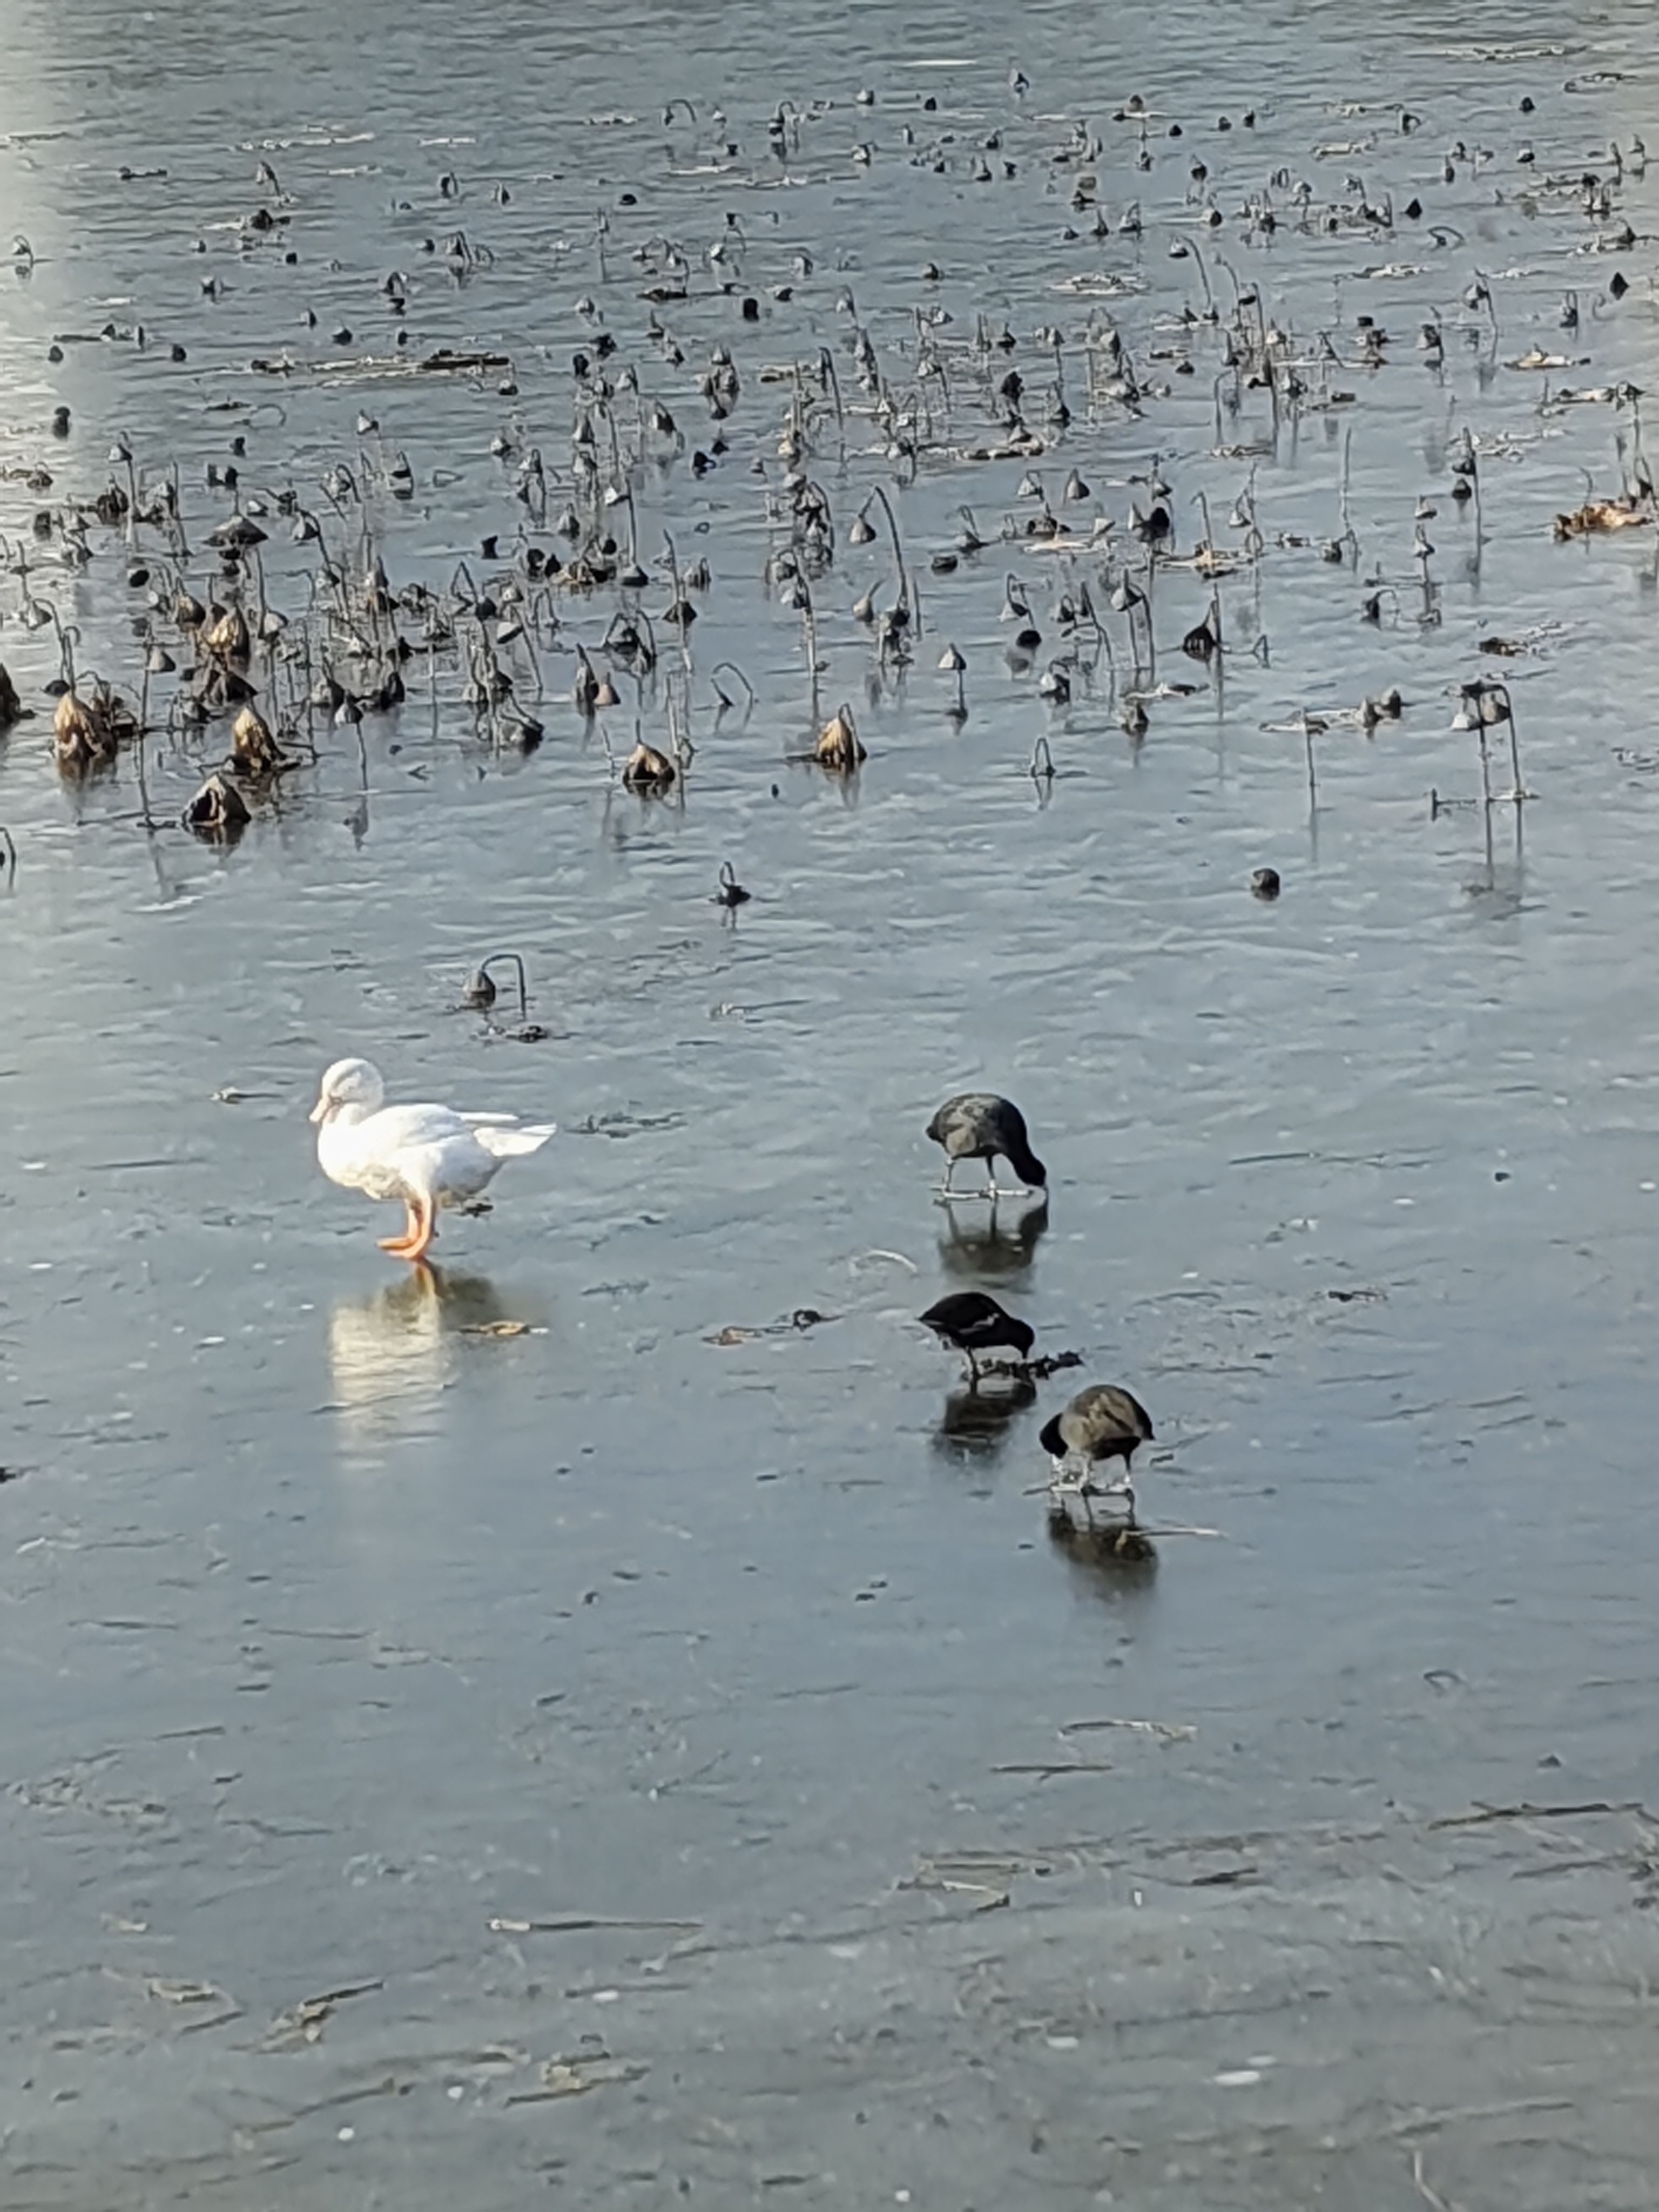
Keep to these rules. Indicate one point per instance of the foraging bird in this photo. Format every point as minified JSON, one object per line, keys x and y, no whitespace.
{"x":970,"y":1323}
{"x":1101,"y":1423}
{"x":979,"y":1126}
{"x":430,"y":1156}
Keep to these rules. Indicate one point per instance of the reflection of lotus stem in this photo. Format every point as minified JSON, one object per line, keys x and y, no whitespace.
{"x":651,"y":640}
{"x":1502,"y":690}
{"x":146,"y":817}
{"x":529,"y":645}
{"x":132,"y":496}
{"x":809,"y":628}
{"x":1127,"y":598}
{"x":266,"y":645}
{"x":633,"y":518}
{"x":748,"y":687}
{"x":310,"y":687}
{"x":174,"y":515}
{"x":1146,"y":602}
{"x":66,"y":639}
{"x":1201,"y":499}
{"x":1203,"y":278}
{"x":1100,"y":629}
{"x":681,"y":629}
{"x":909,"y":597}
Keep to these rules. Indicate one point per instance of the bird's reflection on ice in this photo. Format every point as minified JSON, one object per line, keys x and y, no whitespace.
{"x":975,"y":1420}
{"x":399,"y":1348}
{"x":993,"y":1243}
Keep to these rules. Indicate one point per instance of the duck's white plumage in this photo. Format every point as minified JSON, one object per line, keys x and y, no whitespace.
{"x":430,"y":1156}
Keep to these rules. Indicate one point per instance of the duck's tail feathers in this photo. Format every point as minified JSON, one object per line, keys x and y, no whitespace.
{"x":506,"y":1143}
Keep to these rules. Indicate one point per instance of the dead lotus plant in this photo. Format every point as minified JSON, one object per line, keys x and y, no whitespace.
{"x":839,"y":748}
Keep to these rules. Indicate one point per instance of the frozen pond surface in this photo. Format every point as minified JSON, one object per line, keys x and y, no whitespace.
{"x":685,"y":1764}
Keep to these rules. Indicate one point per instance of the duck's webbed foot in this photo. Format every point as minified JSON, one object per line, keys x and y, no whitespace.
{"x":399,"y":1246}
{"x":425,"y":1229}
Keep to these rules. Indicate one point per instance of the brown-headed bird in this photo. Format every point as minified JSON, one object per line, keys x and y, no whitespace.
{"x":979,"y":1126}
{"x":1101,"y":1423}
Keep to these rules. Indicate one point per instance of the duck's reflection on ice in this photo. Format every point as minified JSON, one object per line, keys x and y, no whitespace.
{"x":975,"y":1420}
{"x":994,"y":1242}
{"x":1111,"y":1558}
{"x":402,"y":1343}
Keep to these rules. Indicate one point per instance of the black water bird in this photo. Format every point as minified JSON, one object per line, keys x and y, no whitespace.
{"x":971,"y":1322}
{"x":1101,"y":1423}
{"x":979,"y":1126}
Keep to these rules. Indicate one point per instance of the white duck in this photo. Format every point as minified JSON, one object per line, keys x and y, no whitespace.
{"x":427,"y":1155}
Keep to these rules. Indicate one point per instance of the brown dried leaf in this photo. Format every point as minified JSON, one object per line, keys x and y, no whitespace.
{"x":648,"y":770}
{"x":217,"y":811}
{"x":78,"y":733}
{"x":838,"y":748}
{"x":564,"y":2080}
{"x":1600,"y":514}
{"x":255,"y":746}
{"x":227,"y":638}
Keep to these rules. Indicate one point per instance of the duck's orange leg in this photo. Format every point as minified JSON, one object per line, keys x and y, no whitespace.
{"x":400,"y":1245}
{"x":424,"y":1218}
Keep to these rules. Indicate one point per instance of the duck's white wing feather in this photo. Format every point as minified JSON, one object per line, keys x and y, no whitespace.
{"x":406,"y":1152}
{"x":401,"y":1151}
{"x":395,"y":1127}
{"x":508,"y":1143}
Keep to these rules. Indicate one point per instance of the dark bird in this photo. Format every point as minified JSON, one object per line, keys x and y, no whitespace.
{"x":1101,"y":1423}
{"x":979,"y":1126}
{"x":970,"y":1323}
